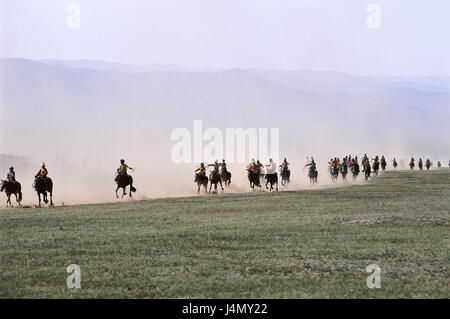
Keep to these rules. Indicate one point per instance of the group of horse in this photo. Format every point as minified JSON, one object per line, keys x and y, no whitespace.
{"x":256,"y":178}
{"x":42,"y":185}
{"x":336,"y":168}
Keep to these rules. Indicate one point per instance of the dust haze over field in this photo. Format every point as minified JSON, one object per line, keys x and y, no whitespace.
{"x":81,"y":122}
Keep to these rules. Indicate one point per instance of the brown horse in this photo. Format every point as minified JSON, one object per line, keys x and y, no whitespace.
{"x":214,"y":178}
{"x":42,"y":185}
{"x":122,"y":182}
{"x":11,"y":188}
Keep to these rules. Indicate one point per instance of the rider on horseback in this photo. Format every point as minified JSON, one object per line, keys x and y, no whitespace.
{"x":284,"y":165}
{"x":271,"y":166}
{"x":312,"y":164}
{"x":201,"y":171}
{"x":41,"y":174}
{"x":123,"y":168}
{"x":11,"y":176}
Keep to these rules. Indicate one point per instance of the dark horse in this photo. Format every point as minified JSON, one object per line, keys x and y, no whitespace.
{"x":312,"y":174}
{"x":355,"y":170}
{"x":366,"y":170}
{"x":201,"y":180}
{"x":253,"y":177}
{"x":225,"y":175}
{"x":344,"y":171}
{"x":376,"y":167}
{"x":411,"y":165}
{"x":122,"y":182}
{"x":12,"y":188}
{"x":272,"y":179}
{"x":334,"y":171}
{"x":420,"y":165}
{"x":383,"y":164}
{"x":42,"y":185}
{"x":285,"y":176}
{"x":214,"y":178}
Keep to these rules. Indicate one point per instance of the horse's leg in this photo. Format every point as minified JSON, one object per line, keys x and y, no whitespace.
{"x":276,"y":185}
{"x":124,"y":193}
{"x":8,"y":200}
{"x":39,"y":196}
{"x":51,"y":199}
{"x":116,"y":191}
{"x":220,"y":184}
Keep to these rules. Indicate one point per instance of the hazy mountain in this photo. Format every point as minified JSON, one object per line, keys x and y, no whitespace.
{"x":357,"y":110}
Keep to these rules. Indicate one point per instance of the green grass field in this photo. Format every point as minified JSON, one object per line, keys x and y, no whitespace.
{"x":297,"y":244}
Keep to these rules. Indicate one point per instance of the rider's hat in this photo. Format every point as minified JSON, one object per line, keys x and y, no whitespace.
{"x":43,"y":164}
{"x":11,"y":168}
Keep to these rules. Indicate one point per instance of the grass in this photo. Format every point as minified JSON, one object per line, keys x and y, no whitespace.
{"x":296,"y":244}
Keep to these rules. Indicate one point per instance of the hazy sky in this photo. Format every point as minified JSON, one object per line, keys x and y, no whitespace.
{"x":413,"y":38}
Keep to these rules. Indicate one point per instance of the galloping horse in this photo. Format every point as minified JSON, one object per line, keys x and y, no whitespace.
{"x":376,"y":167}
{"x":201,"y":180}
{"x":12,"y":188}
{"x":253,"y":177}
{"x":355,"y":170}
{"x":225,"y":176}
{"x":334,"y":171}
{"x":344,"y":171}
{"x":42,"y":185}
{"x":272,"y":179}
{"x":285,"y":176}
{"x":312,"y":174}
{"x":366,"y":170}
{"x":383,"y":164}
{"x":214,"y":178}
{"x":122,"y":182}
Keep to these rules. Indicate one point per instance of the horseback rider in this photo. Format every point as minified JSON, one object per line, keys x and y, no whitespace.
{"x":224,"y":165}
{"x":201,"y":171}
{"x":11,"y":176}
{"x":41,"y":174}
{"x":271,"y":166}
{"x":123,"y":168}
{"x":215,"y":166}
{"x":284,"y":165}
{"x":312,"y":164}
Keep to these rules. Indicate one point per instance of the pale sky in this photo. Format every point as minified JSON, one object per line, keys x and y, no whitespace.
{"x":413,"y":38}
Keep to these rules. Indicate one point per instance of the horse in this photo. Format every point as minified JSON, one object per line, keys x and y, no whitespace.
{"x":285,"y":176}
{"x":214,"y":178}
{"x":253,"y":177}
{"x":122,"y":182}
{"x":420,"y":165}
{"x":225,"y":175}
{"x":272,"y":179}
{"x":42,"y":185}
{"x":312,"y":174}
{"x":428,"y":165}
{"x":334,"y":171}
{"x":366,"y":170}
{"x":376,"y":167}
{"x":344,"y":171}
{"x":411,"y":165}
{"x":355,"y":170}
{"x":201,"y":180}
{"x":383,"y":164}
{"x":394,"y":163}
{"x":12,"y":188}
